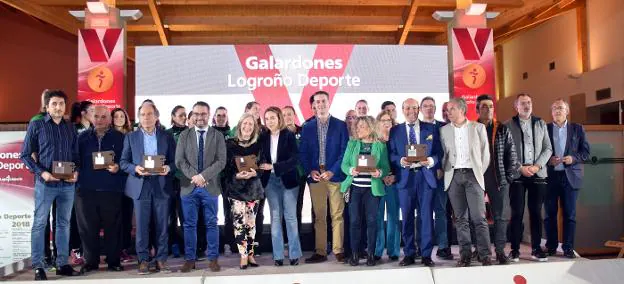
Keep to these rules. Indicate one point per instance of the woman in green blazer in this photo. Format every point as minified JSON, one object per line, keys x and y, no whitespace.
{"x":364,"y":189}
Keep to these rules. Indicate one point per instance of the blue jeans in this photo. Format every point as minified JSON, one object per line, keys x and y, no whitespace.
{"x":191,"y":203}
{"x":390,"y":204}
{"x":440,"y":198}
{"x":44,"y":196}
{"x":359,"y":197}
{"x":283,"y":203}
{"x":559,"y":189}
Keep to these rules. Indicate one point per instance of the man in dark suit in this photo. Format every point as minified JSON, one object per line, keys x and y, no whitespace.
{"x":440,"y":196}
{"x":150,"y":192}
{"x":565,"y":177}
{"x":323,"y":143}
{"x":415,"y":181}
{"x":200,"y":156}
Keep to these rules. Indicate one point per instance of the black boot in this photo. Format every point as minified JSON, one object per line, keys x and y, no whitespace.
{"x":355,"y":259}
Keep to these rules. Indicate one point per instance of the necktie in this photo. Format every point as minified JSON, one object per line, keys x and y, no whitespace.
{"x":412,"y":134}
{"x":200,"y":155}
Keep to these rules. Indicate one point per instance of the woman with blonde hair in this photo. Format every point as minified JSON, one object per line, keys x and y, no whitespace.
{"x":244,"y":187}
{"x":280,"y":180}
{"x":364,"y":189}
{"x":389,"y":203}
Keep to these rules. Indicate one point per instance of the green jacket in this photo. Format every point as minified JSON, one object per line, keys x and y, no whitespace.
{"x":379,"y":151}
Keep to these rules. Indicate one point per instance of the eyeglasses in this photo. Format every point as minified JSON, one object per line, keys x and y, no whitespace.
{"x":202,"y":114}
{"x":351,"y":117}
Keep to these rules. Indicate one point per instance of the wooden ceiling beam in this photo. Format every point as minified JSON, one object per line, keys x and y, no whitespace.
{"x":409,"y":19}
{"x":425,"y":3}
{"x":54,"y":16}
{"x":346,"y":28}
{"x":164,"y":37}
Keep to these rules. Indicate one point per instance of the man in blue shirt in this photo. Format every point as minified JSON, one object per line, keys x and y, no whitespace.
{"x":150,"y":192}
{"x":99,"y":193}
{"x":565,"y":177}
{"x":51,"y":139}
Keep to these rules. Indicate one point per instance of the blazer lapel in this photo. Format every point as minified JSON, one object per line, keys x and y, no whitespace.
{"x":569,"y":133}
{"x":140,"y":145}
{"x":162,"y":143}
{"x":451,"y":141}
{"x":192,"y":141}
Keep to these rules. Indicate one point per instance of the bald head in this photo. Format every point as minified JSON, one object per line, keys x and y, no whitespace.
{"x":410,"y":110}
{"x":102,"y":118}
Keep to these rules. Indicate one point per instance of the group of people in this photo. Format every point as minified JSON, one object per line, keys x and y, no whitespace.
{"x":275,"y":160}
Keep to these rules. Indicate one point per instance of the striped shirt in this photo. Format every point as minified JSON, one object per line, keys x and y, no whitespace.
{"x":50,"y":142}
{"x":363,"y":180}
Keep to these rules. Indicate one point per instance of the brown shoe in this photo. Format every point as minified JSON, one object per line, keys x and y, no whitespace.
{"x":188,"y":266}
{"x":163,"y":267}
{"x":144,"y":268}
{"x":214,"y":266}
{"x":340,"y":257}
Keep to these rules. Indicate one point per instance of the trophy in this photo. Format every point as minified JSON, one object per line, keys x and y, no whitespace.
{"x":63,"y":170}
{"x":416,"y":153}
{"x":154,"y":164}
{"x":246,"y":163}
{"x":366,"y":164}
{"x":102,"y":160}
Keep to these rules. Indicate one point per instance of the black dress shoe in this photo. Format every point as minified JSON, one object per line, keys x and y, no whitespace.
{"x":408,"y":260}
{"x":243,"y":266}
{"x":427,"y":261}
{"x":486,"y":261}
{"x":445,"y":254}
{"x":88,"y":268}
{"x":316,"y":258}
{"x":294,"y":262}
{"x":115,"y":268}
{"x":502,"y":259}
{"x":253,"y":264}
{"x":463,"y":262}
{"x":569,"y":254}
{"x":393,"y":258}
{"x":552,"y":252}
{"x":40,"y":274}
{"x":354,"y":260}
{"x":279,"y":262}
{"x":67,"y":270}
{"x":370,"y":261}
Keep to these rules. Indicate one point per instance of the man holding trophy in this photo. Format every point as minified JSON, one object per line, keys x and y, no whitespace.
{"x":414,"y":148}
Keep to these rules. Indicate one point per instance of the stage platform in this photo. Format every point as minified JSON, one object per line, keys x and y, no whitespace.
{"x":230,"y":263}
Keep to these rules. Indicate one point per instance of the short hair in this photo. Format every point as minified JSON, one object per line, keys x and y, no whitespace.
{"x":54,"y":94}
{"x":460,"y":102}
{"x":484,"y":97}
{"x":564,"y":102}
{"x":249,"y":105}
{"x":127,"y":127}
{"x":221,"y":108}
{"x":280,"y":116}
{"x":202,"y":104}
{"x":385,"y":112}
{"x":43,"y":105}
{"x":362,"y":101}
{"x":318,"y":93}
{"x":387,"y":103}
{"x":427,"y":98}
{"x":254,"y":134}
{"x":370,"y":121}
{"x":521,"y":95}
{"x":153,"y":106}
{"x":173,"y":112}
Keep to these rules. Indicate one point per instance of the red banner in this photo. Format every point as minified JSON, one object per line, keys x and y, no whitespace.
{"x":102,"y":66}
{"x":473,"y":64}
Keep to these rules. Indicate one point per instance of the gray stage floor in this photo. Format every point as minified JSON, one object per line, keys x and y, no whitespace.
{"x":229,"y":266}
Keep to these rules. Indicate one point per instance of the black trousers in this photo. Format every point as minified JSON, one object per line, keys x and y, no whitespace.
{"x":176,"y":233}
{"x":95,"y":210}
{"x":227,"y":234}
{"x":127,"y":212}
{"x":259,"y":225}
{"x":535,"y":189}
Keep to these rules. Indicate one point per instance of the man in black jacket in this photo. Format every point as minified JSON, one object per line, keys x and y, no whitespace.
{"x":100,"y":193}
{"x":504,"y":168}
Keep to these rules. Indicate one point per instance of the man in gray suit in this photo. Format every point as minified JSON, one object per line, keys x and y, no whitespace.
{"x":466,"y":157}
{"x":200,"y":156}
{"x":534,"y":149}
